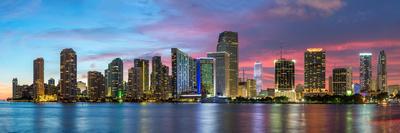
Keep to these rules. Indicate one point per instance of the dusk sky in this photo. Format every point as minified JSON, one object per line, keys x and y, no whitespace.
{"x":102,"y":30}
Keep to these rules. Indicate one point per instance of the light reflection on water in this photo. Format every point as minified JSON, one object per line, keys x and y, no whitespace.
{"x":204,"y":118}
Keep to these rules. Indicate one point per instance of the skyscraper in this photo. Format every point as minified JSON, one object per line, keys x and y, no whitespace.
{"x":51,"y":85}
{"x":284,"y":74}
{"x":381,"y":81}
{"x":68,"y":76}
{"x":96,"y":86}
{"x":115,"y":78}
{"x":135,"y":83}
{"x":182,"y":73}
{"x":342,"y":81}
{"x":258,"y":68}
{"x":365,"y":71}
{"x":314,"y":70}
{"x":221,"y":72}
{"x":251,"y":86}
{"x":38,"y":78}
{"x":144,"y":65}
{"x":159,"y":78}
{"x":15,"y":89}
{"x":206,"y":76}
{"x":228,"y":42}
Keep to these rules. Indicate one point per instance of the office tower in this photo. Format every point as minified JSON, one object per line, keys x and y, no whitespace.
{"x":258,"y":68}
{"x":221,"y":72}
{"x":96,"y":86}
{"x":251,"y":86}
{"x":182,"y":73}
{"x":68,"y":77}
{"x":284,"y":74}
{"x":365,"y":72}
{"x":193,"y":70}
{"x":381,"y":81}
{"x":38,"y":78}
{"x":135,"y":83}
{"x":242,"y":89}
{"x":342,"y":81}
{"x":16,"y":89}
{"x":228,"y":42}
{"x":144,"y":65}
{"x":159,"y":78}
{"x":206,"y":76}
{"x":115,"y":76}
{"x":314,"y":70}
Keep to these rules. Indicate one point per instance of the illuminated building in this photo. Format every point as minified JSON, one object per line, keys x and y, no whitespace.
{"x":258,"y":72}
{"x":251,"y":87}
{"x":221,"y":72}
{"x":96,"y":86}
{"x":381,"y":80}
{"x":135,"y":83}
{"x":115,"y":75}
{"x":365,"y":72}
{"x":284,"y":74}
{"x":144,"y":65}
{"x":314,"y":71}
{"x":206,"y":76}
{"x":228,"y":42}
{"x":68,"y":76}
{"x":393,"y":90}
{"x":38,"y":78}
{"x":342,"y":80}
{"x":159,"y":78}
{"x":51,"y":88}
{"x":81,"y":86}
{"x":183,"y":72}
{"x":17,"y":93}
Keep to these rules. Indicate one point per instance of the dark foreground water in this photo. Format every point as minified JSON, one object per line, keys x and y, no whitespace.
{"x":204,"y":118}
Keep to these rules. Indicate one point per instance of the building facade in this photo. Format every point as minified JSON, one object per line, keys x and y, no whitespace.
{"x":365,"y":72}
{"x":115,"y":75}
{"x":96,"y":86}
{"x":68,"y":76}
{"x":159,"y":79}
{"x":228,"y":41}
{"x":381,"y":81}
{"x":221,"y":72}
{"x":314,"y":70}
{"x":183,"y":74}
{"x":206,"y":76}
{"x":342,"y":81}
{"x":38,"y":78}
{"x":258,"y":76}
{"x":284,"y":74}
{"x":144,"y":65}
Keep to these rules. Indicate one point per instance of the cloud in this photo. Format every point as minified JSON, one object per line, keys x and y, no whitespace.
{"x":12,"y":9}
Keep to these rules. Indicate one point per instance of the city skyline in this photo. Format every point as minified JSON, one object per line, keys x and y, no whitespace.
{"x":97,"y":41}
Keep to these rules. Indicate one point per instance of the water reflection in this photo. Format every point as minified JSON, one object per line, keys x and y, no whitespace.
{"x":147,"y":118}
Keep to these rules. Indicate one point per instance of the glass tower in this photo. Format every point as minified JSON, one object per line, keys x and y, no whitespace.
{"x":365,"y":71}
{"x":258,"y":70}
{"x":228,"y":42}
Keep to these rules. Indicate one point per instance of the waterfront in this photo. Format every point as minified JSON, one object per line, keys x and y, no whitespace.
{"x":85,"y":117}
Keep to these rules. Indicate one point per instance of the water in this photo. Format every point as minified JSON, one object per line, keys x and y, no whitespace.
{"x":203,"y":118}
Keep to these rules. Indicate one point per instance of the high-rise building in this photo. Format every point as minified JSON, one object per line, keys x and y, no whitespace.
{"x":221,"y":72}
{"x":182,"y":73}
{"x":228,"y":42}
{"x":38,"y":78}
{"x":314,"y":70}
{"x":251,"y":86}
{"x":284,"y":74}
{"x":68,"y":76}
{"x":193,"y":70}
{"x":51,"y":88}
{"x":381,"y":80}
{"x":144,"y":65}
{"x":135,"y":83}
{"x":206,"y":76}
{"x":342,"y":81}
{"x":16,"y":89}
{"x":96,"y":86}
{"x":365,"y":72}
{"x":159,"y":78}
{"x":115,"y":77}
{"x":258,"y":71}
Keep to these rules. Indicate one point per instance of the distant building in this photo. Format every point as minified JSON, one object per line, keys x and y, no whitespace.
{"x":258,"y":76}
{"x":115,"y":76}
{"x":381,"y":80}
{"x":271,"y":92}
{"x":228,"y":42}
{"x":38,"y":78}
{"x":284,"y":74}
{"x":183,"y":74}
{"x":299,"y":91}
{"x":159,"y":79}
{"x":135,"y":83}
{"x":51,"y":88}
{"x":251,"y":88}
{"x":17,"y":93}
{"x":365,"y":72}
{"x":206,"y":76}
{"x":68,"y":76}
{"x":144,"y":65}
{"x":357,"y":88}
{"x":221,"y":72}
{"x":342,"y":81}
{"x":96,"y":86}
{"x":393,"y":90}
{"x":314,"y":70}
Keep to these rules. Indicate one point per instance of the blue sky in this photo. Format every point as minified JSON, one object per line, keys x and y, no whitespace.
{"x":100,"y":30}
